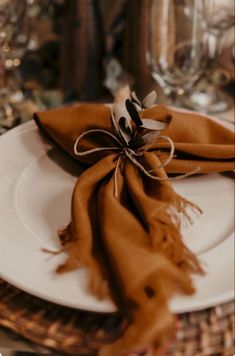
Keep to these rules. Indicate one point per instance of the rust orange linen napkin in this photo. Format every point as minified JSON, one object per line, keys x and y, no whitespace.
{"x":131,"y":242}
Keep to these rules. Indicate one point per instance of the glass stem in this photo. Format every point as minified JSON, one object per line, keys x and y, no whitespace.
{"x":173,"y":97}
{"x":214,"y":50}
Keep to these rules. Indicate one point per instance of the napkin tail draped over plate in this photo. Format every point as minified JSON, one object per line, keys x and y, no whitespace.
{"x":136,"y":238}
{"x":131,"y":243}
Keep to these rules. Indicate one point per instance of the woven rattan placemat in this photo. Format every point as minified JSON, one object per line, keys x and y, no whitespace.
{"x":62,"y":329}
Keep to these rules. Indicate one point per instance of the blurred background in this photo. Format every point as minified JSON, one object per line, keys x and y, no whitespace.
{"x":60,"y":51}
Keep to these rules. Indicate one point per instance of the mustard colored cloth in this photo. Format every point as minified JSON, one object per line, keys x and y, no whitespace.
{"x":132,"y":244}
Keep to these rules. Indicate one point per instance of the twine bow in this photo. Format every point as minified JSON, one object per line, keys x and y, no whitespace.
{"x":127,"y":142}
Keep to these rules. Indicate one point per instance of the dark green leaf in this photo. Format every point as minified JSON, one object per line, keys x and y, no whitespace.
{"x":133,"y":113}
{"x":137,"y":142}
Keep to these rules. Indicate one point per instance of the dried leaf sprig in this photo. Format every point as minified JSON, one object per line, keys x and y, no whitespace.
{"x":133,"y":136}
{"x":129,"y":124}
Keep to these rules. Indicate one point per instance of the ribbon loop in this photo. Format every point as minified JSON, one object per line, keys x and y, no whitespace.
{"x":97,"y":149}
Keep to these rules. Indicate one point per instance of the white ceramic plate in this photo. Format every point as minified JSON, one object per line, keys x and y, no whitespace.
{"x":36,"y":183}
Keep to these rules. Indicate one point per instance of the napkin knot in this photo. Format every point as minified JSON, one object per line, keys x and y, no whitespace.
{"x":129,"y":144}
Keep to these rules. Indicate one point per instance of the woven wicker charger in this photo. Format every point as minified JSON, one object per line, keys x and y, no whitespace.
{"x":70,"y":331}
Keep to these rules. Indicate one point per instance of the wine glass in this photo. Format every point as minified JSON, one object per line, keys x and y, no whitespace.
{"x":207,"y":95}
{"x":176,"y":44}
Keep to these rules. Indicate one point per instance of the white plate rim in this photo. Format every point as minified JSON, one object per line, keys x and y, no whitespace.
{"x":226,"y":297}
